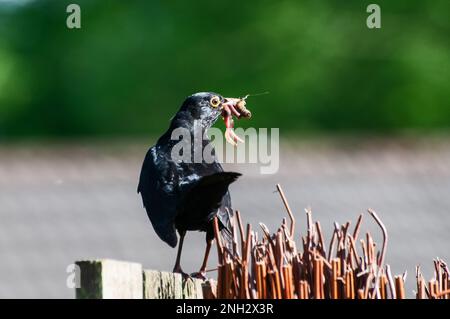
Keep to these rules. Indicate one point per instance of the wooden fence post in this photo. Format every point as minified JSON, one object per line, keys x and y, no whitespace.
{"x":109,"y":279}
{"x":162,"y":285}
{"x":112,"y":279}
{"x":166,"y":285}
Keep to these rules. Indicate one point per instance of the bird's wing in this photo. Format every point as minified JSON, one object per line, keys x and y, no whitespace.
{"x":157,"y":186}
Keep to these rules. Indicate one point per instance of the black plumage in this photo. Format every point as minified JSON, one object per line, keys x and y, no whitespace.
{"x":181,"y":195}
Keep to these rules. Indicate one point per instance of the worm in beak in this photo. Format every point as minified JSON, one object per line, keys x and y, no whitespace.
{"x":233,"y":107}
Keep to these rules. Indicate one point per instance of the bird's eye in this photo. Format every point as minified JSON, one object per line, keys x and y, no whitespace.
{"x":215,"y":101}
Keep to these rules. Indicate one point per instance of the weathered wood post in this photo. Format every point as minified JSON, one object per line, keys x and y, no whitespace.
{"x":162,"y":285}
{"x":109,"y":279}
{"x":112,"y":279}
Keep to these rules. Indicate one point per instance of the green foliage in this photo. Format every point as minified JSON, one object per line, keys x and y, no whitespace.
{"x":126,"y":71}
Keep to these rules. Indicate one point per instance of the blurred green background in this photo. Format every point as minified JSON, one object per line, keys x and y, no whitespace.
{"x":129,"y":67}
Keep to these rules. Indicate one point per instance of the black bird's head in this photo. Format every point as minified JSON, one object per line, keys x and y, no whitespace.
{"x":207,"y":107}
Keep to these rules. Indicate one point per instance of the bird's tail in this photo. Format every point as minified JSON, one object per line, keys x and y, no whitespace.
{"x":221,"y":181}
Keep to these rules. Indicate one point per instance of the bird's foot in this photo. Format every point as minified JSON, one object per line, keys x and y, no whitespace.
{"x":178,"y":270}
{"x":199,"y":275}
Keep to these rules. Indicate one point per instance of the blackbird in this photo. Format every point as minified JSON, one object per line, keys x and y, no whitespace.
{"x":186,"y":195}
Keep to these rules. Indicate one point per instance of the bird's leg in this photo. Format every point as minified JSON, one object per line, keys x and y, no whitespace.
{"x":177,"y":267}
{"x":202,"y":272}
{"x":205,"y":258}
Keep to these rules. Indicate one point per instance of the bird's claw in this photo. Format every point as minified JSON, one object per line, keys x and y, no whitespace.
{"x":199,"y":275}
{"x":178,"y":270}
